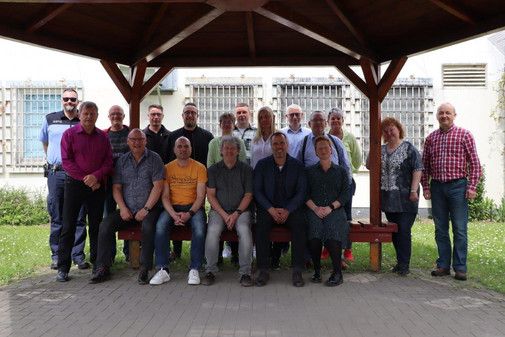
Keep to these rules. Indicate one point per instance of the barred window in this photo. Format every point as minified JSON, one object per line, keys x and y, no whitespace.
{"x":27,"y":106}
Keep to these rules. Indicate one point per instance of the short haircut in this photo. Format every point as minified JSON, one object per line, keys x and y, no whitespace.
{"x":190,"y":104}
{"x":393,"y":121}
{"x":227,"y":115}
{"x":279,"y":133}
{"x":137,"y":130}
{"x":316,"y":112}
{"x":336,"y":111}
{"x":88,"y":105}
{"x":321,"y":139}
{"x":182,"y":138}
{"x":239,"y":105}
{"x":293,"y":106}
{"x":453,"y":108}
{"x":229,"y":140}
{"x":71,"y":90}
{"x":155,"y":106}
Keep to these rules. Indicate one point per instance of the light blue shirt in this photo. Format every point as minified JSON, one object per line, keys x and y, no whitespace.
{"x":338,"y":156}
{"x":51,"y":132}
{"x":294,"y":137}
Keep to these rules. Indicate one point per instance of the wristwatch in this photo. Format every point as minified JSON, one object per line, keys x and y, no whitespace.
{"x":331,"y":206}
{"x":192,"y":213}
{"x":239,"y":211}
{"x":147,"y":208}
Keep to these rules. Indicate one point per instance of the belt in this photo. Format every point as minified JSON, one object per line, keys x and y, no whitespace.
{"x":55,"y":167}
{"x":448,"y":182}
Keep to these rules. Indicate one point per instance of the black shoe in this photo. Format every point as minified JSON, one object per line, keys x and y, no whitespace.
{"x":208,"y":279}
{"x":335,"y":280}
{"x":401,"y":270}
{"x":62,"y":277}
{"x":143,"y":277}
{"x":298,"y":280}
{"x":82,"y":264}
{"x":54,"y":265}
{"x":316,"y":278}
{"x":262,"y":279}
{"x":101,"y":275}
{"x":275,"y":264}
{"x":246,"y":281}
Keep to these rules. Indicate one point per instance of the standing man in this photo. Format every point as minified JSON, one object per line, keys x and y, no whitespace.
{"x":230,"y":192}
{"x":244,"y":129}
{"x":199,"y":140}
{"x":156,"y":133}
{"x":138,"y":182}
{"x":87,"y":159}
{"x":118,"y":133}
{"x":450,"y":160}
{"x":280,"y":184}
{"x":183,"y":199}
{"x":295,"y":131}
{"x":50,"y":135}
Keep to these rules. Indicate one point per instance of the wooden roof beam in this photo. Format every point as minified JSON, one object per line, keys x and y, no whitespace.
{"x":154,"y":24}
{"x":118,"y":78}
{"x":283,"y":15}
{"x":137,"y":74}
{"x":47,"y":16}
{"x":355,"y":31}
{"x":157,"y":48}
{"x":250,"y":33}
{"x":454,"y":10}
{"x":390,"y":76}
{"x":154,"y":80}
{"x":353,"y":78}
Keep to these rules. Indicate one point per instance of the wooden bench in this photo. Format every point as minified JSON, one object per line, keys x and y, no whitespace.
{"x":359,"y":232}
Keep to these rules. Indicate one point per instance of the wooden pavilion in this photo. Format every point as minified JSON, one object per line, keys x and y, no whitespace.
{"x":231,"y":33}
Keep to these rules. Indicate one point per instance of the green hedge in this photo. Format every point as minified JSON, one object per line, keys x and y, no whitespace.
{"x":19,"y":207}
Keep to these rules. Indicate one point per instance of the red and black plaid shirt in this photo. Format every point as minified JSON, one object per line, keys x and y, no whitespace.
{"x":451,"y":155}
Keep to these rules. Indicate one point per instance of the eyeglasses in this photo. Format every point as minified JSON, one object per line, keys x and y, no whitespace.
{"x":155,"y":114}
{"x":317,"y":120}
{"x":295,"y":114}
{"x":135,"y":139}
{"x":72,"y":99}
{"x":192,"y":113}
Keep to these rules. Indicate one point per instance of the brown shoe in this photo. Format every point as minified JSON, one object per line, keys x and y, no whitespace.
{"x":440,"y":272}
{"x":460,"y":275}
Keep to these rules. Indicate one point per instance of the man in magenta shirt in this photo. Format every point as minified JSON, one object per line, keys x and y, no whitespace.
{"x":86,"y":157}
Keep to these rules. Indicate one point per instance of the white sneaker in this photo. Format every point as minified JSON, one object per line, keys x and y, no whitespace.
{"x":193,"y":277}
{"x":160,"y":277}
{"x":226,"y":252}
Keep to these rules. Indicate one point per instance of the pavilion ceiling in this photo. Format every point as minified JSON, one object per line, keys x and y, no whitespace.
{"x":196,"y":33}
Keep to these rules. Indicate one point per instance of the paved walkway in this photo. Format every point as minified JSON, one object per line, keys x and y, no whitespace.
{"x":367,"y":304}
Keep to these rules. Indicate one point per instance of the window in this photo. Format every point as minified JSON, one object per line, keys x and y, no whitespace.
{"x":28,"y":104}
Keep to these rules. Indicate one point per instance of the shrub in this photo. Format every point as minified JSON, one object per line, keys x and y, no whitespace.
{"x":19,"y":207}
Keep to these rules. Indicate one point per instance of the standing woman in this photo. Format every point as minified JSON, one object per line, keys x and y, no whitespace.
{"x":261,"y":141}
{"x":327,"y":192}
{"x":336,"y":121}
{"x":226,"y":124}
{"x":401,"y":171}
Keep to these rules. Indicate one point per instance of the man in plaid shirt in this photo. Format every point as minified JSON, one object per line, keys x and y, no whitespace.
{"x":450,"y":159}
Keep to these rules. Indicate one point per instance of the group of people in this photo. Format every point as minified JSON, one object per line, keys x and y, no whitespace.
{"x":297,"y":177}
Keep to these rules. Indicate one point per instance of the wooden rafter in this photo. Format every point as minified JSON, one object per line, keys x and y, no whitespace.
{"x":153,"y":81}
{"x":250,"y":33}
{"x":159,"y":47}
{"x":353,"y":78}
{"x":389,"y":77}
{"x":118,"y":78}
{"x":154,"y":24}
{"x":137,"y":74}
{"x":281,"y":14}
{"x":48,"y":16}
{"x":454,"y":10}
{"x":355,"y":31}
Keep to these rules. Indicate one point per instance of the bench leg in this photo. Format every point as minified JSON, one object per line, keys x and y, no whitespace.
{"x":375,"y":256}
{"x":134,"y":254}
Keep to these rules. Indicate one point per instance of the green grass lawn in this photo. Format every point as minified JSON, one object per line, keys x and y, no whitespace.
{"x":25,"y":250}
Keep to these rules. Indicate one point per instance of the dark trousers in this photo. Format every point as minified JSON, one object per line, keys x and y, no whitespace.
{"x":76,"y":195}
{"x":348,"y":209}
{"x":295,"y":222}
{"x":402,"y":241}
{"x":113,"y":223}
{"x":56,"y":187}
{"x":109,"y":208}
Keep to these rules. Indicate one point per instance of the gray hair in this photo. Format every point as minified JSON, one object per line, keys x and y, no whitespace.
{"x":336,"y":111}
{"x":293,"y":106}
{"x":88,"y":105}
{"x":227,"y":115}
{"x":229,"y":140}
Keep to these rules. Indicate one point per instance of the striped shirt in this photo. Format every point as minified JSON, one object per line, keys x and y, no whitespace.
{"x":449,"y":156}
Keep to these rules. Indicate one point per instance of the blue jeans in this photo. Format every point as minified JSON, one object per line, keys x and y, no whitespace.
{"x":56,"y":187}
{"x":402,"y":241}
{"x":448,"y":201}
{"x":165,"y":225}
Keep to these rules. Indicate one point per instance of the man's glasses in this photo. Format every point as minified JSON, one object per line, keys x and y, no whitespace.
{"x":317,"y":120}
{"x":192,"y":113}
{"x":134,"y":140}
{"x":71,"y":99}
{"x":295,"y":114}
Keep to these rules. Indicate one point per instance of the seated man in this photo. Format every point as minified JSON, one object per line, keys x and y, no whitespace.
{"x":280,"y":184}
{"x":183,"y":198}
{"x":136,"y":187}
{"x":229,"y":191}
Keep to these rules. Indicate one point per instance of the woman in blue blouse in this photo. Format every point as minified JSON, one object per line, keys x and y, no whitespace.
{"x":401,"y":170}
{"x":327,"y":192}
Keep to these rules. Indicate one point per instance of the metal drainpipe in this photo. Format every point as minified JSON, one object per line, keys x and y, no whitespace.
{"x":3,"y":109}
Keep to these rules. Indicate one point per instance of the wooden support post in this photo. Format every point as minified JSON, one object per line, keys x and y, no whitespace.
{"x":375,"y":256}
{"x":134,"y":254}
